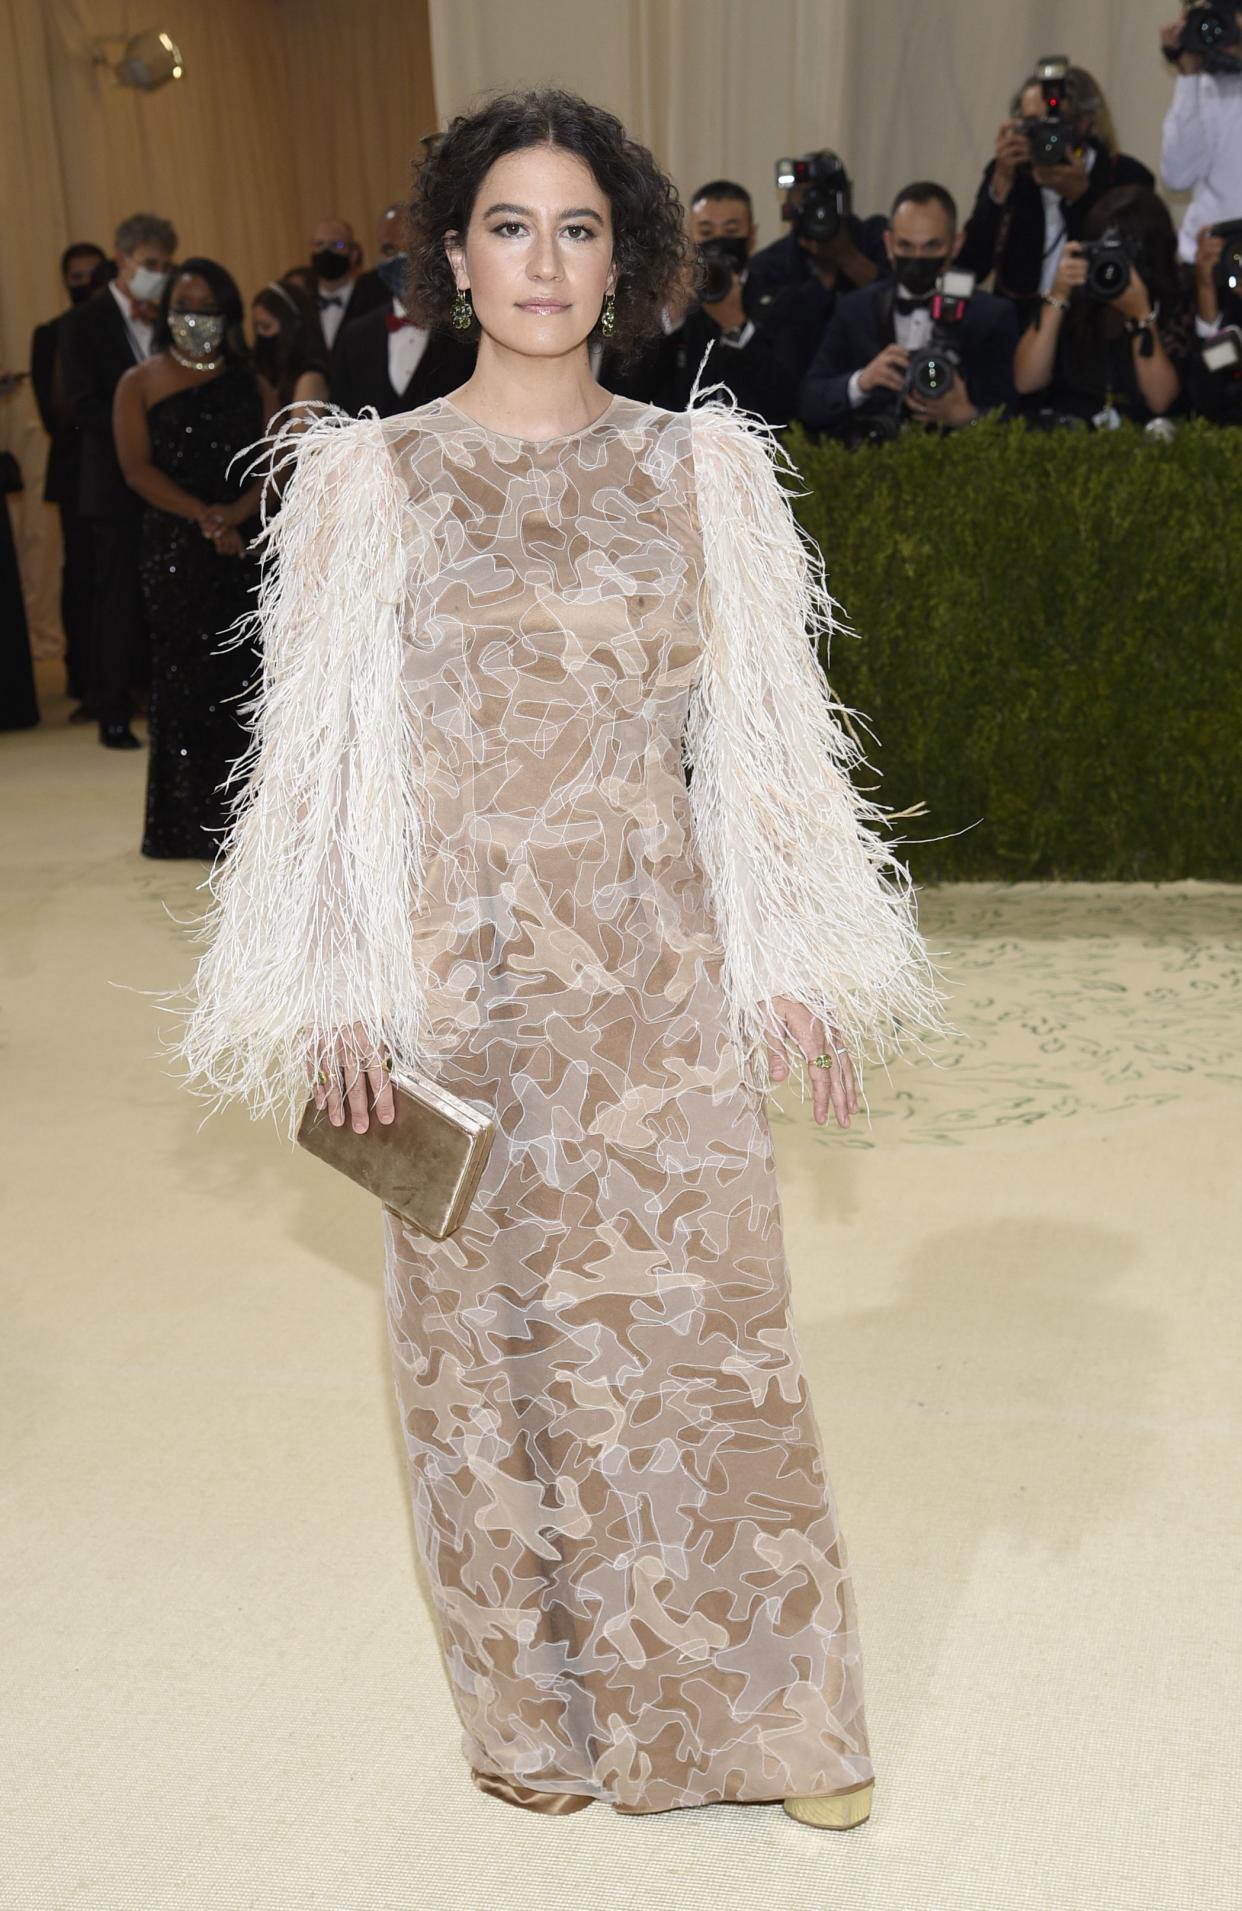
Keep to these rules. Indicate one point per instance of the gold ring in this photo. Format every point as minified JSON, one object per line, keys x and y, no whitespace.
{"x":823,"y":1061}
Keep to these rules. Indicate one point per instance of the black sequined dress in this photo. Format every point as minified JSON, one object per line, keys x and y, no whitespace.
{"x":192,"y":596}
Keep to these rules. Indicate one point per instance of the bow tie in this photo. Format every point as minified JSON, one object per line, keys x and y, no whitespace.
{"x":914,"y":301}
{"x":141,"y":311}
{"x":395,"y":321}
{"x":324,"y":303}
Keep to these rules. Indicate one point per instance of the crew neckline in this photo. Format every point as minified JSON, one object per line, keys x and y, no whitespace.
{"x":562,"y":438}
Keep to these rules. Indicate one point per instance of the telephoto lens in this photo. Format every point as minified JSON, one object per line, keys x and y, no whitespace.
{"x":931,"y":374}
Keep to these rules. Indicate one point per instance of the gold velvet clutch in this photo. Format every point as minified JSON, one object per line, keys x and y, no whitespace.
{"x":425,"y":1163}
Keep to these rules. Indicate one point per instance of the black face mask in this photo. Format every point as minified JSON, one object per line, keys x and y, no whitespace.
{"x":330,"y":265}
{"x":266,"y":355}
{"x":78,"y":294}
{"x":917,"y":276}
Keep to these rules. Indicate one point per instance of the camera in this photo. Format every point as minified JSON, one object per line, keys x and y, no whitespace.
{"x":826,"y":201}
{"x":1109,"y":266}
{"x":1211,"y":30}
{"x":1051,"y":136}
{"x":719,"y":260}
{"x":932,"y":371}
{"x":1227,"y":271}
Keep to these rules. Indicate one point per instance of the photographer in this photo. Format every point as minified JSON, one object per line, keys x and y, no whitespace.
{"x":846,"y":256}
{"x":858,"y":383}
{"x":746,"y":359}
{"x":1026,"y":211}
{"x":1115,"y":330}
{"x":1213,"y":376}
{"x":1201,"y":148}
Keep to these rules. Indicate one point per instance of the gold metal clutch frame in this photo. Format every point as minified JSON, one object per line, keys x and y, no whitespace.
{"x":424,"y":1164}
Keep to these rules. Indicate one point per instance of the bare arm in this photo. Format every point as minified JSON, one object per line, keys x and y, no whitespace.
{"x":133,"y":449}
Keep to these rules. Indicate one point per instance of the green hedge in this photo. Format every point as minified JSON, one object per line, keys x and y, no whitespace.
{"x":1049,"y":638}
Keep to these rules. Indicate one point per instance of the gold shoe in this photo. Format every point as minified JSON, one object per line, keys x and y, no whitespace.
{"x":834,"y":1811}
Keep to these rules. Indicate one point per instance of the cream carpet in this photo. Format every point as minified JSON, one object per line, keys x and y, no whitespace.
{"x":1017,"y":1294}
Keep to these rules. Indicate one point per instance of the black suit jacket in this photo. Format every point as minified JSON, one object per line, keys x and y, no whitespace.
{"x":758,"y":374}
{"x":360,"y":367}
{"x":1010,"y":238}
{"x":64,"y":457}
{"x":862,"y":326}
{"x":95,"y":352}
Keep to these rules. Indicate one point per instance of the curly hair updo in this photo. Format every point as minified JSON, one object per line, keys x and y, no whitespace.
{"x":651,"y":247}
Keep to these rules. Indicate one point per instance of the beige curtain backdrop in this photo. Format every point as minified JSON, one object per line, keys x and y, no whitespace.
{"x":902,"y":88}
{"x":289,"y":110}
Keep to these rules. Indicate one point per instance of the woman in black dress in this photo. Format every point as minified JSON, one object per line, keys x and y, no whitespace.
{"x":1124,"y":357}
{"x":180,"y":420}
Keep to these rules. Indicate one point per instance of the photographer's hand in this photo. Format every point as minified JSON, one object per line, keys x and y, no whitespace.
{"x":1071,"y":271}
{"x":953,"y":408}
{"x":1013,"y":149}
{"x":1207,"y":252}
{"x":1135,"y":301}
{"x":887,"y":370}
{"x":1169,"y":36}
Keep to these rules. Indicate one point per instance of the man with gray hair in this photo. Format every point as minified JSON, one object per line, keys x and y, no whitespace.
{"x":99,"y":341}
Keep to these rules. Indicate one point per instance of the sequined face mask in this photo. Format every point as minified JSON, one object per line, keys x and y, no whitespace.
{"x":197,"y":334}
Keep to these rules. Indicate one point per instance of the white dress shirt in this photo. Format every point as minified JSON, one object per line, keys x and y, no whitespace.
{"x":1201,"y":151}
{"x":140,"y":330}
{"x":332,"y":317}
{"x":1055,"y":230}
{"x":405,"y":348}
{"x":911,"y":329}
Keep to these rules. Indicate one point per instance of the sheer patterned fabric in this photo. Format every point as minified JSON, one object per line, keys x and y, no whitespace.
{"x":618,"y":1481}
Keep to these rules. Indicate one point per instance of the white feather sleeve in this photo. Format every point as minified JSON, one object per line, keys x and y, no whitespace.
{"x":808,"y":900}
{"x":317,"y":878}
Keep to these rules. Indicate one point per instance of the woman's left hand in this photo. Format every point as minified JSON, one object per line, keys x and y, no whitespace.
{"x":1135,"y":301}
{"x":833,"y":1085}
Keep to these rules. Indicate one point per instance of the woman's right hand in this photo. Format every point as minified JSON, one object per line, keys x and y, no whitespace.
{"x":1013,"y":149}
{"x":340,"y":1084}
{"x":1071,"y":271}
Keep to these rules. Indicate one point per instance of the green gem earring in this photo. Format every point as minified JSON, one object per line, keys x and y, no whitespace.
{"x":608,"y":323}
{"x":463,"y":310}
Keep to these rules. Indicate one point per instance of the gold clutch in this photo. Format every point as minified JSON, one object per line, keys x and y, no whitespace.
{"x":425,"y":1163}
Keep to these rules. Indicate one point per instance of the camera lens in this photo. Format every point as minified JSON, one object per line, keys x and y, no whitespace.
{"x":931,"y":375}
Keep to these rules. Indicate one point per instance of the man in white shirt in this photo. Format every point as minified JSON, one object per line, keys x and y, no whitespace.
{"x":1201,"y":150}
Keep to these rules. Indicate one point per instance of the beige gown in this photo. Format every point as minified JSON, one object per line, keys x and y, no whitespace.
{"x":618,"y":1482}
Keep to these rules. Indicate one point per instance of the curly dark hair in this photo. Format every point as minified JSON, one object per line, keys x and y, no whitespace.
{"x":651,"y":246}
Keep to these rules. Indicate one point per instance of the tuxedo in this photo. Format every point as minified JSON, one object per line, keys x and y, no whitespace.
{"x":864,"y":323}
{"x":361,"y":372}
{"x":358,"y":299}
{"x":61,"y":487}
{"x":96,"y":350}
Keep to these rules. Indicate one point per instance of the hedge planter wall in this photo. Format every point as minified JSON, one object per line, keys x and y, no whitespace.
{"x":1049,"y":644}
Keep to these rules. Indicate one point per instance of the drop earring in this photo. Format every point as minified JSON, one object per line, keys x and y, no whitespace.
{"x":463,"y":310}
{"x":608,"y":323}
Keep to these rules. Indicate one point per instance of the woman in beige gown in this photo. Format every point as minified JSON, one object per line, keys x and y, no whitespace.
{"x":465,"y":844}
